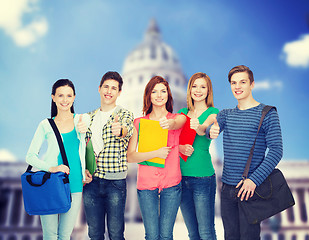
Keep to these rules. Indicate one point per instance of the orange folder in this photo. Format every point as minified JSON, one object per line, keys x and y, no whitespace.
{"x":187,"y":136}
{"x":152,"y":137}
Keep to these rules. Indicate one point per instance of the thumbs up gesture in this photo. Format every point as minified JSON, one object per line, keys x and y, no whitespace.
{"x":165,"y":123}
{"x":116,"y":127}
{"x":81,"y":126}
{"x":214,"y":130}
{"x":194,"y":122}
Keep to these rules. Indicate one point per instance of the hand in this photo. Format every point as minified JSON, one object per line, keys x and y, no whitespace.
{"x":166,"y":123}
{"x":186,"y":150}
{"x":60,"y":168}
{"x":163,"y":152}
{"x":247,"y":189}
{"x":88,"y":177}
{"x":81,"y":126}
{"x":194,"y":122}
{"x":116,"y":127}
{"x":214,"y":130}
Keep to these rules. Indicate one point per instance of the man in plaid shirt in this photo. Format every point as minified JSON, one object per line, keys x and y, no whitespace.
{"x":110,"y":130}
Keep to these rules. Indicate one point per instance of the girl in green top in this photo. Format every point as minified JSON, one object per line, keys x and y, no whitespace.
{"x":198,"y":175}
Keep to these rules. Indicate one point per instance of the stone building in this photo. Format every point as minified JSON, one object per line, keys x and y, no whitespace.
{"x":150,"y":58}
{"x":153,"y":57}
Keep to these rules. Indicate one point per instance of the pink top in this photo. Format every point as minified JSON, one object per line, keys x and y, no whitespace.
{"x":149,"y":177}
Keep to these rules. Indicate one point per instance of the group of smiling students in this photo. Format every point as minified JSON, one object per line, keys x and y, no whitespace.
{"x":114,"y":134}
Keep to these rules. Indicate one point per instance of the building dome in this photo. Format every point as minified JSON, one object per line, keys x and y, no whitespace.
{"x":152,"y":53}
{"x":150,"y":58}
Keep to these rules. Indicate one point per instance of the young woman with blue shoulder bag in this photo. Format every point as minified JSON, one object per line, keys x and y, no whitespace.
{"x":60,"y":225}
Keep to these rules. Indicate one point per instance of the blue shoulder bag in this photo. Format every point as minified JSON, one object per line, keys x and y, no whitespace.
{"x":45,"y":192}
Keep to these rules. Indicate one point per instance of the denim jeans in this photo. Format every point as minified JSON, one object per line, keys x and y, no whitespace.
{"x":159,"y":211}
{"x":105,"y":198}
{"x":60,"y":226}
{"x":198,"y":206}
{"x":236,"y":226}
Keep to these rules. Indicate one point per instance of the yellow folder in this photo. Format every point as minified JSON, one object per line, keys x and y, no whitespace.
{"x":152,"y":137}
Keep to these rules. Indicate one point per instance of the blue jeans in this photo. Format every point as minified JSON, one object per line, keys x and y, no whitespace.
{"x":236,"y":226}
{"x":159,"y":211}
{"x":105,"y":198}
{"x":198,"y":206}
{"x":60,"y":226}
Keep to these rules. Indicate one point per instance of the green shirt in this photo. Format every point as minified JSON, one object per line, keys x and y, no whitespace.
{"x":199,"y":163}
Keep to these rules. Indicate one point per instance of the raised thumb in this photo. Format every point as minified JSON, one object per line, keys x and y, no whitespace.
{"x":80,"y":118}
{"x":116,"y":119}
{"x":195,"y":113}
{"x":216,"y":122}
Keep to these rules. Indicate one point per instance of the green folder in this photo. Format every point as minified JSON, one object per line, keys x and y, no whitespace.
{"x":91,"y":164}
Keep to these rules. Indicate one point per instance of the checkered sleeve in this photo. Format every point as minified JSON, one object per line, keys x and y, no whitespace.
{"x":113,"y":158}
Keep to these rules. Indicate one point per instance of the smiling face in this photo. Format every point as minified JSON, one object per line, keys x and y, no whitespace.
{"x":241,"y":87}
{"x":64,"y":98}
{"x":199,"y":90}
{"x":109,"y":92}
{"x":159,"y":95}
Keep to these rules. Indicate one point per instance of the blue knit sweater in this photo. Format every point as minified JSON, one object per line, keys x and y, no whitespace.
{"x":240,"y":128}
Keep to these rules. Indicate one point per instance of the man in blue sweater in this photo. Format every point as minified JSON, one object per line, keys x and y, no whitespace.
{"x":240,"y":126}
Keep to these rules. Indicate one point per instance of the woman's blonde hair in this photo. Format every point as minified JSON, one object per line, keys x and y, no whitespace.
{"x":209,"y":99}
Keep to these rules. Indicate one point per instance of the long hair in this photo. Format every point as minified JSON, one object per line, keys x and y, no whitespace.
{"x":209,"y":99}
{"x":57,"y":84}
{"x":147,"y":105}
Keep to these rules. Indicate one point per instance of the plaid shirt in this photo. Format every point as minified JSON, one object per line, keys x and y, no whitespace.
{"x":112,"y":160}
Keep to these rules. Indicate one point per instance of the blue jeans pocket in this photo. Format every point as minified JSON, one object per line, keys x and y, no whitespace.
{"x":120,"y":184}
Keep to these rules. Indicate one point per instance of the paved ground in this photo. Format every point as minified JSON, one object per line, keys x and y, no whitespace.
{"x":135,"y":231}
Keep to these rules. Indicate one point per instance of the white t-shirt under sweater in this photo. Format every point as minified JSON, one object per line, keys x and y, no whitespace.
{"x":99,"y":120}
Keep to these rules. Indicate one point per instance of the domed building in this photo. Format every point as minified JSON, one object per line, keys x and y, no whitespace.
{"x":150,"y":58}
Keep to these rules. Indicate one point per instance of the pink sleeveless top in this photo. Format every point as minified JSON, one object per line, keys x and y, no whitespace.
{"x":149,"y":177}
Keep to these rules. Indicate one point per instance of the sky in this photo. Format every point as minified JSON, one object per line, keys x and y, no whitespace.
{"x":42,"y":41}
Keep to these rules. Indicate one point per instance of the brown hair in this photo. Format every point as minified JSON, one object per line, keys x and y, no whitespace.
{"x":209,"y":99}
{"x":241,"y":68}
{"x":57,"y":84}
{"x":147,"y":105}
{"x":112,"y":76}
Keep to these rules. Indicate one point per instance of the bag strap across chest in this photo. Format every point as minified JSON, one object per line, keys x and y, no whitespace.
{"x":265,"y":110}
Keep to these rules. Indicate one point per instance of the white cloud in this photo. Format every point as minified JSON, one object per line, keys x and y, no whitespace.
{"x":296,"y":53}
{"x":12,"y":13}
{"x":267,"y":85}
{"x":7,"y":156}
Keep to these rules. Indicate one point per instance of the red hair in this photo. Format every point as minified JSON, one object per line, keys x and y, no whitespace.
{"x":147,"y":104}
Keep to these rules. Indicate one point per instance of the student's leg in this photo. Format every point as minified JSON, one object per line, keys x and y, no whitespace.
{"x":188,"y":208}
{"x":169,"y":203}
{"x":149,"y":205}
{"x":116,"y":201}
{"x":67,"y":220}
{"x":49,"y":226}
{"x":230,"y":212}
{"x":94,"y":205}
{"x":248,"y":231}
{"x":204,"y":200}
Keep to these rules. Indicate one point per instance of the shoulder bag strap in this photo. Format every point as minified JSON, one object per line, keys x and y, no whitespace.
{"x":265,"y":110}
{"x":59,"y":140}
